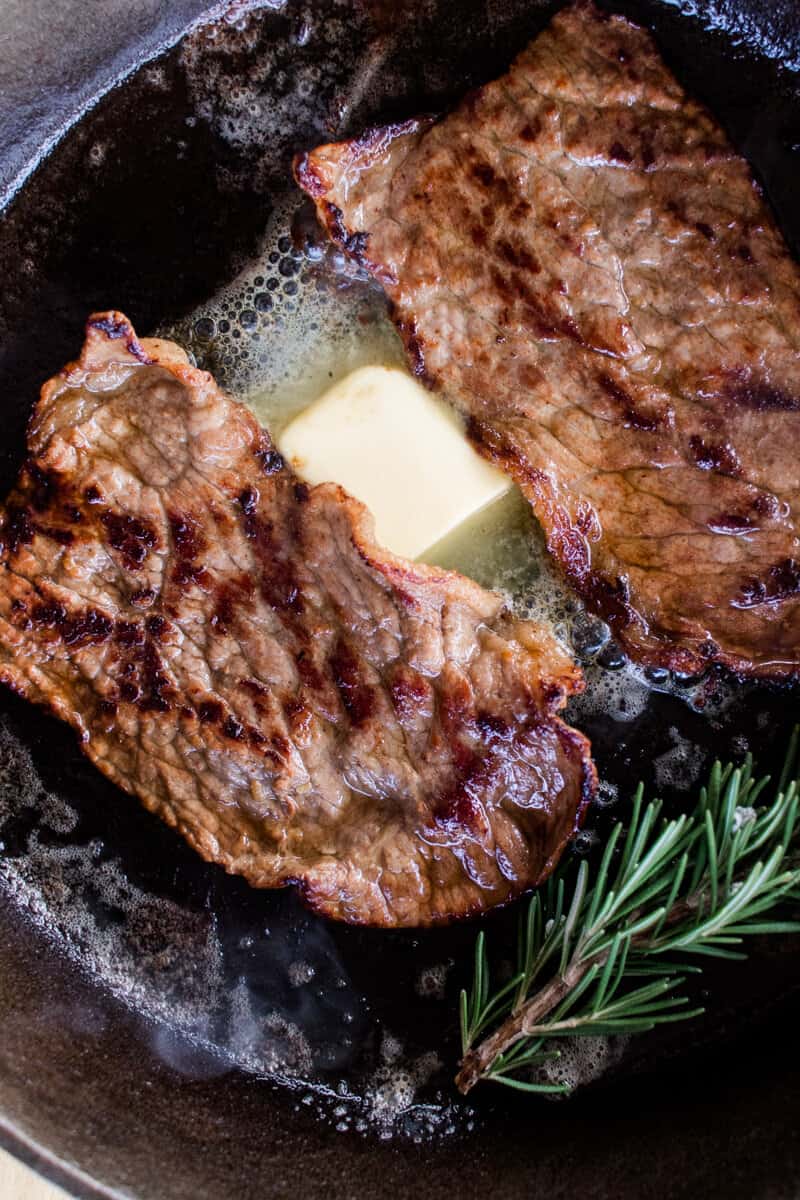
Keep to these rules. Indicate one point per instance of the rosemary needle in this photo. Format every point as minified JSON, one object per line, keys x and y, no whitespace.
{"x":609,"y":954}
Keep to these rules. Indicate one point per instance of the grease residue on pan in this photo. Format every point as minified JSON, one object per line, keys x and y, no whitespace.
{"x":270,"y":999}
{"x":358,"y":1026}
{"x":295,"y":320}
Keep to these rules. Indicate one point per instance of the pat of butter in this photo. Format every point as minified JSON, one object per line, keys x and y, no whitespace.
{"x":396,"y":448}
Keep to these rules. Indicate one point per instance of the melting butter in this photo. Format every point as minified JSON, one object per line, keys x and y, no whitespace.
{"x":399,"y":450}
{"x":498,"y":547}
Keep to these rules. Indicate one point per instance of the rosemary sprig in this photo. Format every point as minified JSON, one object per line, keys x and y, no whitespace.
{"x":608,"y":952}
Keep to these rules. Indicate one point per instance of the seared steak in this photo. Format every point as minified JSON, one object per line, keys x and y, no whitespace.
{"x":579,"y":260}
{"x":233,"y":648}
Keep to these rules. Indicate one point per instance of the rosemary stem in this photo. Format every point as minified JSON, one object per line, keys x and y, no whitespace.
{"x":522,"y":1022}
{"x":477,"y":1062}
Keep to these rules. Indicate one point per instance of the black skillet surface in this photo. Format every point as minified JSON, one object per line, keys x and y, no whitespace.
{"x":145,"y":998}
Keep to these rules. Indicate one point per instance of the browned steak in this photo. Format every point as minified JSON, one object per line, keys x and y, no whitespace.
{"x":580,"y":261}
{"x":233,"y":648}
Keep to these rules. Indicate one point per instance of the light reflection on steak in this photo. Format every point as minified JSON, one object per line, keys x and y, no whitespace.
{"x":579,"y":260}
{"x":234,"y":649}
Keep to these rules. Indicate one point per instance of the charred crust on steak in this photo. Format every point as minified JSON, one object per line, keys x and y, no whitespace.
{"x":720,"y":456}
{"x":744,"y":388}
{"x":115,"y":326}
{"x":633,"y":417}
{"x":349,"y":675}
{"x":188,"y":543}
{"x":18,"y":527}
{"x":781,"y":582}
{"x":74,"y":628}
{"x":132,"y":537}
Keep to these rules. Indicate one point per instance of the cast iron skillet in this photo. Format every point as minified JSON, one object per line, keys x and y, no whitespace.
{"x":145,"y":998}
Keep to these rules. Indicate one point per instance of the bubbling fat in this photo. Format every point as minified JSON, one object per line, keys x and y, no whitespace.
{"x":303,"y":316}
{"x":290,"y":325}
